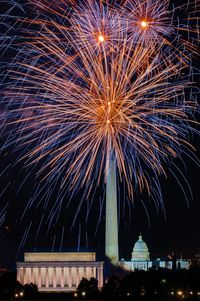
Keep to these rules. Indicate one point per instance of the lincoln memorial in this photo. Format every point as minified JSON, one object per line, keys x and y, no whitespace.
{"x":59,"y":272}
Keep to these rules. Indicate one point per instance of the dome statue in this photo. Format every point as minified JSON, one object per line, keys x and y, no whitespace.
{"x":140,"y":250}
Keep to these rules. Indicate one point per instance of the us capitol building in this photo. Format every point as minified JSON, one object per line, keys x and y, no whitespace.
{"x":140,"y":259}
{"x":57,"y":272}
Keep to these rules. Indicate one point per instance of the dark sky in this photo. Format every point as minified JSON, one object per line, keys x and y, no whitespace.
{"x":178,"y":232}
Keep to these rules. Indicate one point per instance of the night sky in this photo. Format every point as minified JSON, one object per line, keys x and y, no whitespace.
{"x":176,"y":232}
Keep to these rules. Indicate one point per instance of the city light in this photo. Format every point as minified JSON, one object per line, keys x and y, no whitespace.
{"x":19,"y":294}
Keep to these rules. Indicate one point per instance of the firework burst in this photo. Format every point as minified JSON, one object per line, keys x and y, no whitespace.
{"x":85,"y":105}
{"x":151,"y":23}
{"x":79,"y":92}
{"x":96,"y":24}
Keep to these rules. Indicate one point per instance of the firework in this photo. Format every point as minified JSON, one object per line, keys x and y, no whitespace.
{"x":83,"y":106}
{"x":151,"y":23}
{"x":80,"y":91}
{"x":95,"y":25}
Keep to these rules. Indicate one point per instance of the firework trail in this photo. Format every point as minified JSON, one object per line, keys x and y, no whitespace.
{"x":152,"y":23}
{"x":80,"y":90}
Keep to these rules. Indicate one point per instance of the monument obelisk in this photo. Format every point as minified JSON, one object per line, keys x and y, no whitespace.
{"x":111,"y":236}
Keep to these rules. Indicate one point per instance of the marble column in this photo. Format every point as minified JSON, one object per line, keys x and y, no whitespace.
{"x":51,"y":276}
{"x":69,"y":280}
{"x":25,"y":275}
{"x":43,"y":276}
{"x":47,"y":278}
{"x":73,"y":269}
{"x":100,"y":276}
{"x":58,"y":276}
{"x":93,"y":272}
{"x":81,"y":273}
{"x":39,"y":278}
{"x":28,"y":275}
{"x":32,"y":275}
{"x":77,"y":277}
{"x":36,"y":275}
{"x":54,"y":278}
{"x":88,"y":273}
{"x":66,"y":276}
{"x":62,"y":278}
{"x":20,"y":275}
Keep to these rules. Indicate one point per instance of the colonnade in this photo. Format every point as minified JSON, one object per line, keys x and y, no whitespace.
{"x":58,"y":278}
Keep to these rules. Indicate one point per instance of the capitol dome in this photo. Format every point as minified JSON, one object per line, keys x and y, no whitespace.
{"x":140,"y":250}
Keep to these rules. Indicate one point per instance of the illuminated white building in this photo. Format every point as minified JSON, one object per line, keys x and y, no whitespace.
{"x":140,"y":259}
{"x":59,"y":271}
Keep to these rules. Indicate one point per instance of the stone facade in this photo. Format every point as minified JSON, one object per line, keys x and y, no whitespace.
{"x":59,"y":271}
{"x":140,"y":260}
